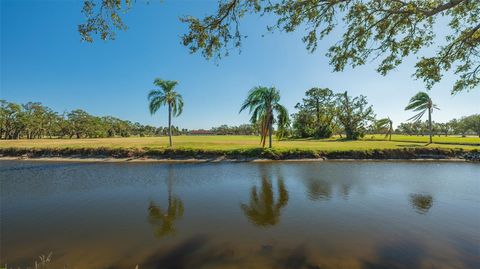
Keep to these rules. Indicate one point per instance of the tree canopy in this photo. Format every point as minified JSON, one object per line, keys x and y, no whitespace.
{"x":387,"y":30}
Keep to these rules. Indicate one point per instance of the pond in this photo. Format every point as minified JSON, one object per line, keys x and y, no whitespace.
{"x":241,"y":215}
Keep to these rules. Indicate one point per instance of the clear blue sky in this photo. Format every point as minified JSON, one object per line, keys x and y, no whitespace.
{"x":43,"y":59}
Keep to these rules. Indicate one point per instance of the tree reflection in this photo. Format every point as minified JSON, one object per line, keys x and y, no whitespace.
{"x":318,"y":189}
{"x":163,"y":220}
{"x":421,"y":202}
{"x":262,"y":209}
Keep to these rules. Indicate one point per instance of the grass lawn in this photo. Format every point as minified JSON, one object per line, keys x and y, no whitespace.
{"x":239,"y":142}
{"x":436,"y":139}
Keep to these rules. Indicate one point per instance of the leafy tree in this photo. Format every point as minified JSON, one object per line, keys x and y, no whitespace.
{"x":80,"y":123}
{"x":459,"y":127}
{"x":385,"y":125}
{"x":443,"y":128}
{"x":34,"y":120}
{"x":263,"y":103}
{"x":389,"y":30}
{"x":472,"y":122}
{"x":166,"y":95}
{"x":422,"y":103}
{"x":10,"y":120}
{"x":303,"y":122}
{"x":354,"y":114}
{"x":320,"y":102}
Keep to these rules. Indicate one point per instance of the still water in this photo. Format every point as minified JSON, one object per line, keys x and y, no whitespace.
{"x":241,"y":215}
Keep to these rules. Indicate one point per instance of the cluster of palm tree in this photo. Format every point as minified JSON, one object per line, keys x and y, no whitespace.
{"x":421,"y":103}
{"x":264,"y":106}
{"x":262,"y":102}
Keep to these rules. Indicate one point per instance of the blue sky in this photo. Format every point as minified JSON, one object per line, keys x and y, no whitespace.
{"x":44,"y":60}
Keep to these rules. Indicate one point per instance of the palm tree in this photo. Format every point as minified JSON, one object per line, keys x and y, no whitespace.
{"x":385,"y":124}
{"x":263,"y":102}
{"x":422,"y":102}
{"x":166,"y":95}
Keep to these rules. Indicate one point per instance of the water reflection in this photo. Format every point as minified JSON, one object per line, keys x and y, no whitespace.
{"x":421,"y":202}
{"x":163,"y":220}
{"x":263,"y":210}
{"x":227,"y":220}
{"x":318,"y":189}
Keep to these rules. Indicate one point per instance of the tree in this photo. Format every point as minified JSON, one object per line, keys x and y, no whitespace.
{"x":354,"y":114}
{"x":423,"y":103}
{"x":320,"y":102}
{"x":166,"y":95}
{"x":472,"y":122}
{"x":385,"y":125}
{"x":443,"y":128}
{"x":389,"y":30}
{"x":10,"y":118}
{"x":303,"y":123}
{"x":263,"y":103}
{"x":80,"y":121}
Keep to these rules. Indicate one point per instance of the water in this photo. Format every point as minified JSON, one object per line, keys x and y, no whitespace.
{"x":241,"y":215}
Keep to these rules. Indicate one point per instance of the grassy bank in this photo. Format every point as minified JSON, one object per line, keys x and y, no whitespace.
{"x":233,"y":147}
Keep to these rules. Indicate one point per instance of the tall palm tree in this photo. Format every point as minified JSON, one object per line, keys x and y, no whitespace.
{"x":423,"y":103}
{"x":166,"y":95}
{"x":262,"y":103}
{"x":385,"y":124}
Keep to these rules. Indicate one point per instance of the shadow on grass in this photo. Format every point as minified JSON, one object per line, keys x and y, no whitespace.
{"x":411,"y":145}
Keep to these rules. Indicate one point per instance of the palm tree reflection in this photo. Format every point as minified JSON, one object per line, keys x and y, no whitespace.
{"x":262,"y":209}
{"x":421,"y":202}
{"x":163,"y":220}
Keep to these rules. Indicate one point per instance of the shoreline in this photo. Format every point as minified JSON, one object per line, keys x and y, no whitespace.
{"x":237,"y":155}
{"x":216,"y":160}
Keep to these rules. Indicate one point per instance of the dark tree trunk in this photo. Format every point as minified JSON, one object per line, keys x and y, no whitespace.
{"x":430,"y":123}
{"x":270,"y":128}
{"x":170,"y":124}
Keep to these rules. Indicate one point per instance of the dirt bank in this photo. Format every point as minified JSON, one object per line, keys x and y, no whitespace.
{"x":255,"y":154}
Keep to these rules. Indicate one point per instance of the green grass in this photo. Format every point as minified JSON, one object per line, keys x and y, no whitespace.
{"x":224,"y":143}
{"x":424,"y":139}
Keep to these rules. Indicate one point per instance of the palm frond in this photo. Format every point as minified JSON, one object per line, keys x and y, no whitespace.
{"x":418,"y":116}
{"x":155,"y":103}
{"x":165,"y":95}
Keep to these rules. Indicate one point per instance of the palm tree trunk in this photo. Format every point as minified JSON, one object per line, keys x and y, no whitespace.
{"x":430,"y":123}
{"x":170,"y":124}
{"x":391,"y":131}
{"x":270,"y":128}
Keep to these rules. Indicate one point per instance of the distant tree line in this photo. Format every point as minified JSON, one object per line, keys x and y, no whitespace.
{"x":243,"y":129}
{"x":34,"y":120}
{"x":463,"y":126}
{"x":320,"y":114}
